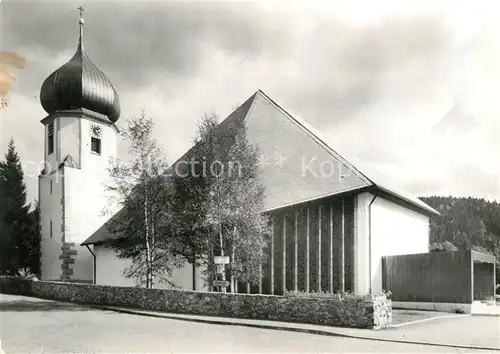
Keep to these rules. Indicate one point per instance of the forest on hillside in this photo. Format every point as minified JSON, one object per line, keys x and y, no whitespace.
{"x":470,"y":223}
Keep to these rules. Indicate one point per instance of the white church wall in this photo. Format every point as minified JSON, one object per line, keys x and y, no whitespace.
{"x":109,"y":268}
{"x":109,"y":271}
{"x":86,"y":197}
{"x":51,"y":220}
{"x":69,"y":142}
{"x":90,"y":160}
{"x":395,"y":230}
{"x":85,"y":200}
{"x":362,"y":250}
{"x":80,"y":203}
{"x":80,"y":218}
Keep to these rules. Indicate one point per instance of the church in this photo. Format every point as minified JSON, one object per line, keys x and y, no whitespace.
{"x":332,"y":220}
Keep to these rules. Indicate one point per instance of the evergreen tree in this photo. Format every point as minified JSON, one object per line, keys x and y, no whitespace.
{"x":466,"y":223}
{"x":13,"y":213}
{"x":32,"y":242}
{"x":7,"y":245}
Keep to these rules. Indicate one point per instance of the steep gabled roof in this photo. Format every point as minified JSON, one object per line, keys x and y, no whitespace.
{"x":275,"y":130}
{"x":102,"y":234}
{"x":238,"y":115}
{"x":372,"y":176}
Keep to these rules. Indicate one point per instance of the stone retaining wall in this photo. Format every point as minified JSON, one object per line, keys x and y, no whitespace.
{"x":350,"y":311}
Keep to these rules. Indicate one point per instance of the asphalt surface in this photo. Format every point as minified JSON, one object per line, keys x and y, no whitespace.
{"x":29,"y":325}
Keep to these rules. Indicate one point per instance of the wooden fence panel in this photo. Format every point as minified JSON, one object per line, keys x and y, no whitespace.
{"x":429,"y":277}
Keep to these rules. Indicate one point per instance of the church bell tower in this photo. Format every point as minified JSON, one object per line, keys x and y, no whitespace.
{"x":80,"y":138}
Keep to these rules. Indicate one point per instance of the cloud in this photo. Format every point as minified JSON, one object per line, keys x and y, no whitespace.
{"x":376,"y":80}
{"x":346,"y":69}
{"x":137,"y":42}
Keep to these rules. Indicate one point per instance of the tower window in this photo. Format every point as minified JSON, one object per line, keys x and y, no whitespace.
{"x":50,"y":186}
{"x":95,"y":145}
{"x":50,"y":139}
{"x":50,"y":228}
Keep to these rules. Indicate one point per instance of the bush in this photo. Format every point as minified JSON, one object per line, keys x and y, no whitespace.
{"x":315,"y":294}
{"x":388,"y":294}
{"x":325,"y":294}
{"x":442,"y":246}
{"x":15,"y":286}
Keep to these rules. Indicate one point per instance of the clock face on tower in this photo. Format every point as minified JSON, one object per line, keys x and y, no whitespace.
{"x":95,"y":131}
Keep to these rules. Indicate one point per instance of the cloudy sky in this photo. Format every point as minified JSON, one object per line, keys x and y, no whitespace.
{"x":410,"y":87}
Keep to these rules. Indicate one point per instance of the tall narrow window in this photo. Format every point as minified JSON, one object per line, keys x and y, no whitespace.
{"x":50,"y":139}
{"x":50,"y":186}
{"x":50,"y":228}
{"x":96,"y":145}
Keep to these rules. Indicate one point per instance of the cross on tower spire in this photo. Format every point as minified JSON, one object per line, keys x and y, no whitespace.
{"x":82,"y":10}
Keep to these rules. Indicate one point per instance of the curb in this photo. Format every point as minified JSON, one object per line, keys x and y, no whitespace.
{"x":290,"y":329}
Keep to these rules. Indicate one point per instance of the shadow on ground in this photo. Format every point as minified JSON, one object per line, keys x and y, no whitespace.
{"x":39,"y":305}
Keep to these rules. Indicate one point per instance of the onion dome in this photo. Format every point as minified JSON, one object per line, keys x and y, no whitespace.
{"x":79,"y":84}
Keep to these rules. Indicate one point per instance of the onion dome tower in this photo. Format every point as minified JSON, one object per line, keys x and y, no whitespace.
{"x":81,"y":139}
{"x":80,"y":85}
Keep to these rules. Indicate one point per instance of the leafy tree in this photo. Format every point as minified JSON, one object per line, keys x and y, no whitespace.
{"x":194,"y":238}
{"x":222,"y":199}
{"x":242,"y":194}
{"x":13,"y":213}
{"x":442,"y":246}
{"x":141,"y":231}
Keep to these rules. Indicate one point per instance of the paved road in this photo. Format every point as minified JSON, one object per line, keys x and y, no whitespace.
{"x":466,"y":330}
{"x":29,"y":325}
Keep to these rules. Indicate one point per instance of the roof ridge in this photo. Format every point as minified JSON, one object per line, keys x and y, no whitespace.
{"x":311,"y":131}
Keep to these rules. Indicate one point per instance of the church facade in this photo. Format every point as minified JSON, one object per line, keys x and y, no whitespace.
{"x":332,"y":220}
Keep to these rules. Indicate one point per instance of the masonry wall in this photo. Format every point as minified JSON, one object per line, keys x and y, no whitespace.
{"x":359,"y":312}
